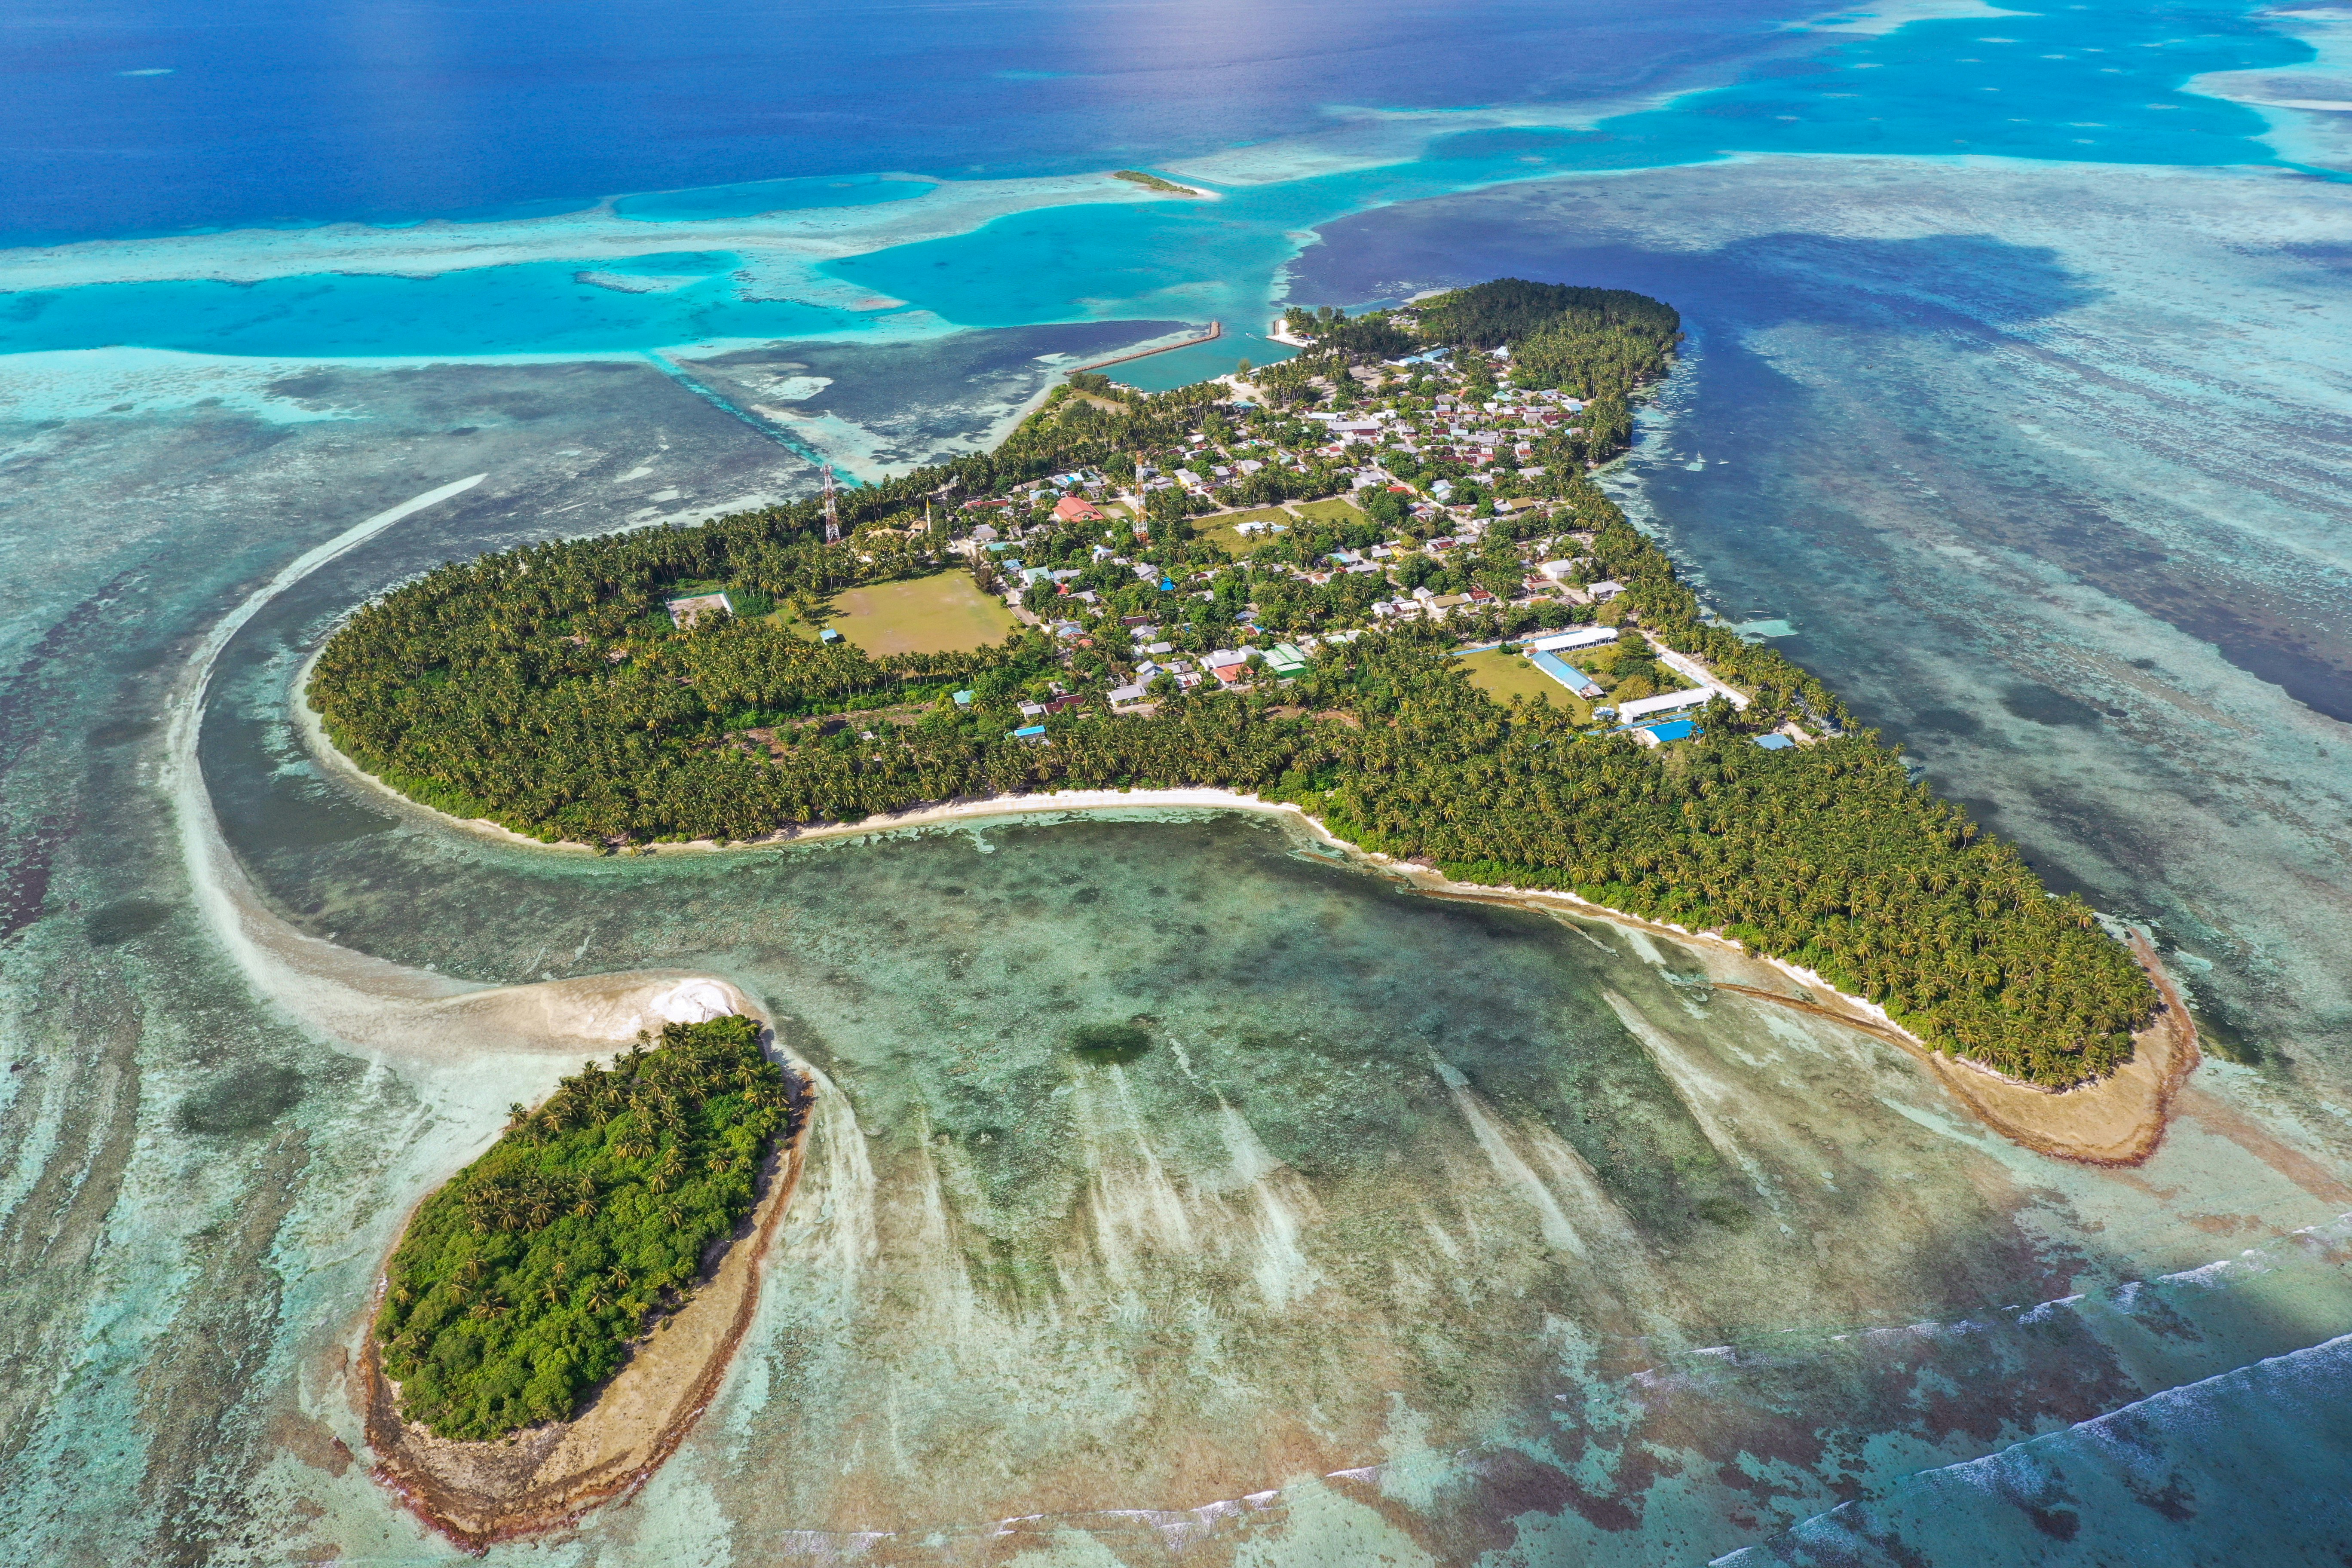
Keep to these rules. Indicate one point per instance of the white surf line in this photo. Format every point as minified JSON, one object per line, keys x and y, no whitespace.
{"x":222,"y":894}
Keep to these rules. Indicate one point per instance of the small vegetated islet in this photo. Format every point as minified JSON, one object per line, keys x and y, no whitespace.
{"x":546,"y":687}
{"x":1153,"y":183}
{"x":520,"y":1285}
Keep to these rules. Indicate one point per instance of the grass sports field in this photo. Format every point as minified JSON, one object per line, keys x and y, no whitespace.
{"x":1501,"y":675}
{"x":1331,"y":511}
{"x":943,"y":613}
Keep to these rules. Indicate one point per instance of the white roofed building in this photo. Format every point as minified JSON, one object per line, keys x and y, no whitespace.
{"x":1689,"y":669}
{"x":1664,"y":702}
{"x":1583,"y":637}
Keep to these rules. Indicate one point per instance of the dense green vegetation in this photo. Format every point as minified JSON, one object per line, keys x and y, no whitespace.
{"x":1514,"y":312}
{"x":1369,"y":334}
{"x":1827,"y":856}
{"x":520,"y":1284}
{"x":1153,"y":182}
{"x":544,"y":689}
{"x":1599,"y":344}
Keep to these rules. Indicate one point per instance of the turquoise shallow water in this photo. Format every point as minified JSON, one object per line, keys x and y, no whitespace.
{"x":753,"y":197}
{"x":535,"y":308}
{"x":1423,"y":1234}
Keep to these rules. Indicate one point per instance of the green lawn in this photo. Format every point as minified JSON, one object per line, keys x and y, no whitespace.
{"x":1222,"y":530}
{"x":1331,"y":511}
{"x":943,"y":613}
{"x":1503,"y":674}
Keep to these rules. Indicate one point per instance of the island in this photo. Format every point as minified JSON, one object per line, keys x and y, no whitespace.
{"x":1376,"y":581}
{"x":1153,"y":183}
{"x":554,"y":1317}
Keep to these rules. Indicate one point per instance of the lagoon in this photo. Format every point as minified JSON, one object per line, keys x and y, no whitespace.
{"x":2014,"y":400}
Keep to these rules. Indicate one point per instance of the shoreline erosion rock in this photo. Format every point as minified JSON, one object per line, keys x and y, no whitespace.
{"x":477,"y":1494}
{"x":2118,"y":1120}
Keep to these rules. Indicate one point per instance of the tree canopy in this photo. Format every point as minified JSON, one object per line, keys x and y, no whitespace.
{"x":546,"y":688}
{"x":520,"y":1284}
{"x":1508,"y":311}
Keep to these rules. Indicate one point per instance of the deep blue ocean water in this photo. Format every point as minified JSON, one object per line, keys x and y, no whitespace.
{"x":2100,"y":83}
{"x":128,"y":118}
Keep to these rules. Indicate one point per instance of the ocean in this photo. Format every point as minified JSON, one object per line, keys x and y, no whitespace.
{"x":2013,"y":403}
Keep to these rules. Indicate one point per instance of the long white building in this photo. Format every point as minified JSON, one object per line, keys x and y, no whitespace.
{"x":1664,"y":702}
{"x":1583,"y":637}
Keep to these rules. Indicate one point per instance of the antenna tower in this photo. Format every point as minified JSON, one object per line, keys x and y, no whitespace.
{"x":832,"y":511}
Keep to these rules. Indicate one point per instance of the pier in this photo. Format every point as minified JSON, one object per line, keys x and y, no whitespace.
{"x":1216,"y":330}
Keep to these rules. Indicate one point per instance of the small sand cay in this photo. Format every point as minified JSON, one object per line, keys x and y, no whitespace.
{"x":546,"y":1476}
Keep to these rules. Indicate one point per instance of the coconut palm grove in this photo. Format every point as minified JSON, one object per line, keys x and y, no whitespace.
{"x":550,"y":689}
{"x":522,"y":1283}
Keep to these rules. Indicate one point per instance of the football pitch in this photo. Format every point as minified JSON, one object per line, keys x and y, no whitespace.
{"x":944,"y":613}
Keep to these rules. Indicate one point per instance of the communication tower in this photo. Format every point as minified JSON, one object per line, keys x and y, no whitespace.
{"x":832,"y":509}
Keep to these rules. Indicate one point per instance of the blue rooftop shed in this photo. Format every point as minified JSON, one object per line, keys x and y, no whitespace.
{"x":1567,"y":674}
{"x":1679,"y":730}
{"x":1775,"y":742}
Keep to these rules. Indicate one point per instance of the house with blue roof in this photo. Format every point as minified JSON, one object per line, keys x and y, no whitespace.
{"x":1567,"y":674}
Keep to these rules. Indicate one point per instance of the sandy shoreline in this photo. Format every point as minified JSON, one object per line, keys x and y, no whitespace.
{"x":2115,"y":1121}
